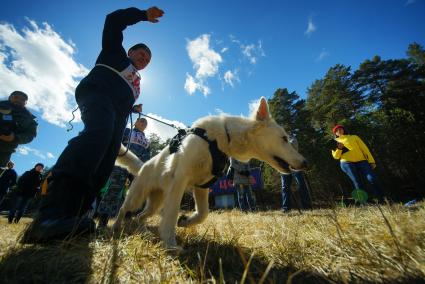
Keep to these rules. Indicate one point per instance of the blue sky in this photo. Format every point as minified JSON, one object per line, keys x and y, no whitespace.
{"x":209,"y":57}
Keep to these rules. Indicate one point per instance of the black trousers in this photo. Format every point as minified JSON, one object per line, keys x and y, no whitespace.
{"x":88,"y":159}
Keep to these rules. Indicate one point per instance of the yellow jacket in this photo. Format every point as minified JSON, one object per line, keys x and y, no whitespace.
{"x":358,"y":151}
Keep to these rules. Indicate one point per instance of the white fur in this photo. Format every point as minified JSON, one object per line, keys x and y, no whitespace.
{"x":162,"y":180}
{"x":128,"y":159}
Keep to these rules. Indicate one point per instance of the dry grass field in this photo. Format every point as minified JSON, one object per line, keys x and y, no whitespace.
{"x":367,"y":244}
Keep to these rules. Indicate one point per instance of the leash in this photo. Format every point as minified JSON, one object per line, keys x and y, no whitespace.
{"x":129,"y":134}
{"x":72,"y":119}
{"x":179,"y":130}
{"x":71,"y":126}
{"x":163,"y":122}
{"x":131,"y":126}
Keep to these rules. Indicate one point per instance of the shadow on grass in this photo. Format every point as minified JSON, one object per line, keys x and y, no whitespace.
{"x":209,"y":259}
{"x":56,"y":262}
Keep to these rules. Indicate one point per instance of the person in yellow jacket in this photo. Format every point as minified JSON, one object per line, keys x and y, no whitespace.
{"x":356,"y":160}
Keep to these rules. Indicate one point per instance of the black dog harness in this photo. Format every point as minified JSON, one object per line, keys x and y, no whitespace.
{"x":220,"y":160}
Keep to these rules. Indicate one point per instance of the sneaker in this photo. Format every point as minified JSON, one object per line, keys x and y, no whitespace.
{"x":58,"y":229}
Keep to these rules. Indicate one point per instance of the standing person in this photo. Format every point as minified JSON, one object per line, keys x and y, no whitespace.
{"x":105,"y":97}
{"x":240,"y":178}
{"x":7,"y":179}
{"x":28,"y":185}
{"x":17,"y":125}
{"x":286,"y":180}
{"x":356,"y":160}
{"x":113,"y":197}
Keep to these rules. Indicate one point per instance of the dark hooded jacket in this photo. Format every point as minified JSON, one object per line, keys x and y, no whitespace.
{"x":23,"y":125}
{"x":29,"y":183}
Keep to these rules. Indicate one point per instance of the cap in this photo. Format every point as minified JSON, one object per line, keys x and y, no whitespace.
{"x":338,"y":126}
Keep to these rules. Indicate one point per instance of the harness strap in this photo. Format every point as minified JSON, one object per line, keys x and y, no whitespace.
{"x":116,"y":72}
{"x":219,"y":159}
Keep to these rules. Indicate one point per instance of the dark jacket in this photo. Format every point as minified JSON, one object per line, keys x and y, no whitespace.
{"x":24,"y":126}
{"x":29,"y":183}
{"x":119,"y":78}
{"x":7,"y":179}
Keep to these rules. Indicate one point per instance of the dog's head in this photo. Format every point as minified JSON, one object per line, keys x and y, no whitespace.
{"x":271,"y":142}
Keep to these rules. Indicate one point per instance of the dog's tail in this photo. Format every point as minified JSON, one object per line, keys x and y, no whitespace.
{"x":128,"y":160}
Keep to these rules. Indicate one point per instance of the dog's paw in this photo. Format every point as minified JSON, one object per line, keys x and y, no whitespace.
{"x":183,"y":221}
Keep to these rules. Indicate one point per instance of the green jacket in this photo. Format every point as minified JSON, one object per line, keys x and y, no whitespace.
{"x":25,"y":128}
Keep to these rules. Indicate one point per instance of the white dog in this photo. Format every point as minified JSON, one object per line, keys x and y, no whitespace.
{"x":162,"y":180}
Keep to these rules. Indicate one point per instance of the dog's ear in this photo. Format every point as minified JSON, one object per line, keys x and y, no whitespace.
{"x":263,"y":110}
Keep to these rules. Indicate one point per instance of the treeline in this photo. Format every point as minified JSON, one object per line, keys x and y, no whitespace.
{"x":383,"y":102}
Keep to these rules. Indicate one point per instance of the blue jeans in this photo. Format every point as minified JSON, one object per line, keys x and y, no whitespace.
{"x":301,"y":187}
{"x":18,"y":208}
{"x":356,"y":170}
{"x":245,"y":199}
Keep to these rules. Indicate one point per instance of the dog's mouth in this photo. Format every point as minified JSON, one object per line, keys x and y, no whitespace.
{"x":282,"y":163}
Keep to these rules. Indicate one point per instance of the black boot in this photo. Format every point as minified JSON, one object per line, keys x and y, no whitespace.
{"x":103,"y":220}
{"x":61,"y":213}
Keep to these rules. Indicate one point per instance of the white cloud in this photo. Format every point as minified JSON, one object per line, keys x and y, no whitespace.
{"x":205,"y":60}
{"x":409,"y":2}
{"x":234,"y":39}
{"x":220,"y":111}
{"x":230,"y":77}
{"x":323,"y":54}
{"x":192,"y":84}
{"x":37,"y":61}
{"x":252,"y":51}
{"x":311,"y":28}
{"x":25,"y":150}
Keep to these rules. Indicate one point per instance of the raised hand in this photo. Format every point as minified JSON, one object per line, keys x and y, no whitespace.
{"x":137,"y":108}
{"x":153,"y":14}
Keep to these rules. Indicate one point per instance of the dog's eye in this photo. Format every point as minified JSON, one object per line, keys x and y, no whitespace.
{"x":285,"y":139}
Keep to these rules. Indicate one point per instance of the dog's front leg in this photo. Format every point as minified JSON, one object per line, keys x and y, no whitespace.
{"x":167,"y":226}
{"x":201,"y":201}
{"x":118,"y":222}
